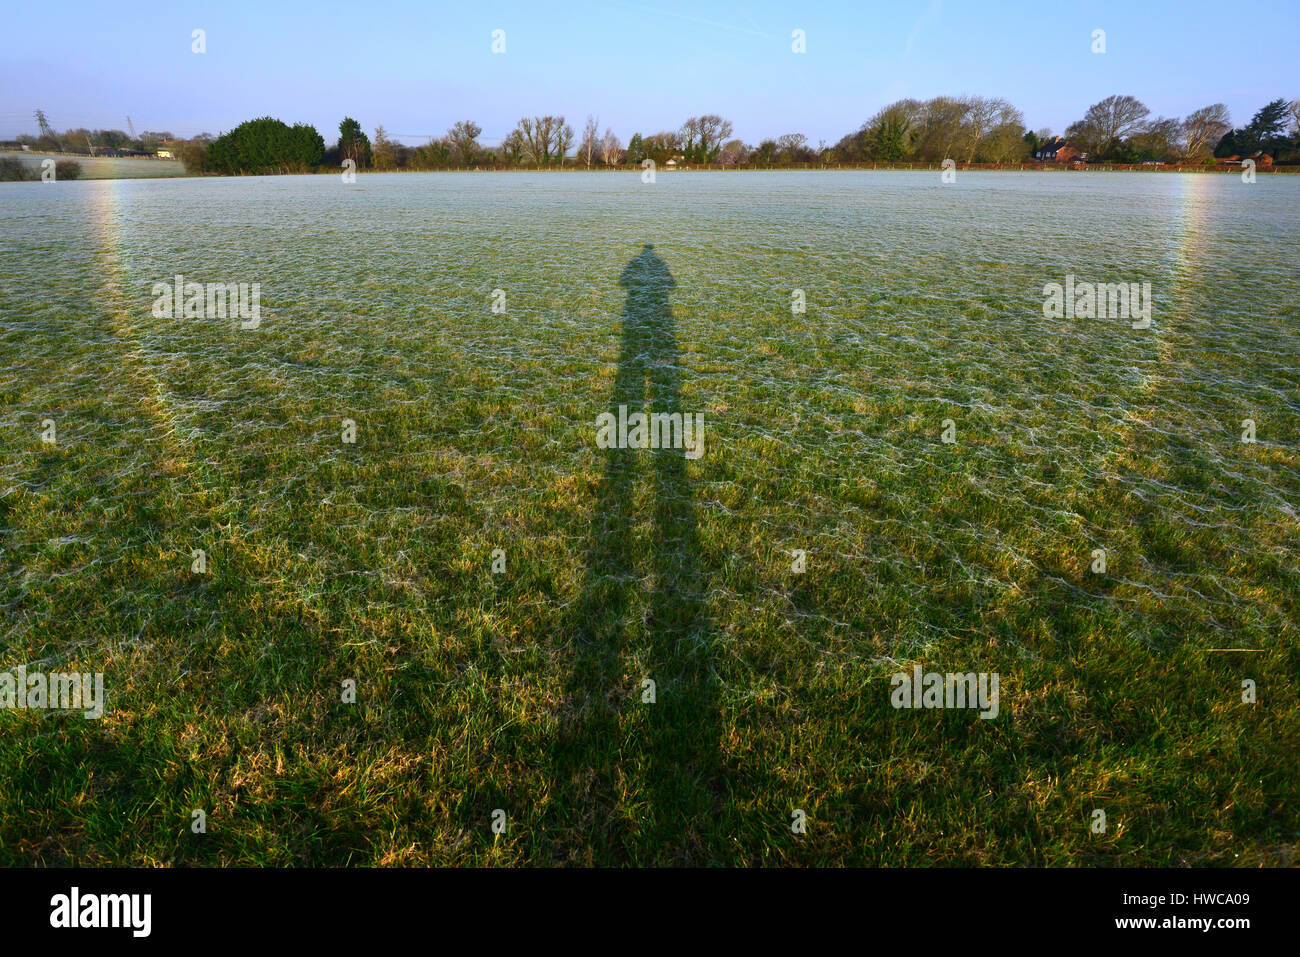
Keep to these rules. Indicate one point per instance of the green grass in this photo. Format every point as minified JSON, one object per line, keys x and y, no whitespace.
{"x":105,"y":167}
{"x":522,"y":691}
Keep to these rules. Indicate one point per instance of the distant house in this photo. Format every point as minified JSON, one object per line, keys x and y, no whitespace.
{"x":1057,"y":150}
{"x":164,"y":154}
{"x":1262,"y":160}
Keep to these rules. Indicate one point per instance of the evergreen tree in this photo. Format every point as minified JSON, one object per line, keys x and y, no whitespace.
{"x":266,"y":145}
{"x":891,"y":137}
{"x":353,"y":143}
{"x":635,"y":150}
{"x":1228,"y":145}
{"x":1267,"y":129}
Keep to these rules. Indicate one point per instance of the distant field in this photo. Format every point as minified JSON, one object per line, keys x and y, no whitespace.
{"x":108,"y":167}
{"x":372,"y":561}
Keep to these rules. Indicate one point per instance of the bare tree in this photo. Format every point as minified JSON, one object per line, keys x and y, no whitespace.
{"x":542,"y":138}
{"x":793,"y":148}
{"x":1158,"y":139}
{"x":562,"y":139}
{"x":940,"y":123}
{"x":513,"y":149}
{"x":1108,"y":122}
{"x":1005,"y":143}
{"x":525,"y":137}
{"x":464,"y":140}
{"x":714,"y":131}
{"x":590,"y":145}
{"x":981,"y":114}
{"x":1202,"y":130}
{"x":1293,"y":108}
{"x":610,"y":148}
{"x":702,"y":137}
{"x":985,"y":115}
{"x":688,"y":134}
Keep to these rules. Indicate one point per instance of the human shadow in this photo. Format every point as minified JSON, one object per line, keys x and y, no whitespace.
{"x":641,"y":786}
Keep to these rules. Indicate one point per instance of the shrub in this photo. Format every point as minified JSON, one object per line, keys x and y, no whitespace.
{"x":266,"y":145}
{"x":67,"y":169}
{"x":194,"y":156}
{"x":13,"y":170}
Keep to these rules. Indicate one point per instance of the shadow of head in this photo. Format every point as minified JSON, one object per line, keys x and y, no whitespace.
{"x":646,"y":273}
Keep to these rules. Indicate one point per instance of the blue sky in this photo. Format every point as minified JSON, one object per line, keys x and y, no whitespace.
{"x":639,"y":65}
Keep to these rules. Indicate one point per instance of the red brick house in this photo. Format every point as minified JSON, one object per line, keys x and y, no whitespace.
{"x":1057,"y":150}
{"x":1262,"y":160}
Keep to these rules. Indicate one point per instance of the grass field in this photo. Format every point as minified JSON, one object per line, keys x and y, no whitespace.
{"x":103,"y":167}
{"x":522,"y":691}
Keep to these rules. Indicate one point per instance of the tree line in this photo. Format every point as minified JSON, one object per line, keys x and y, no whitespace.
{"x":89,"y":142}
{"x":966,"y":129}
{"x":1118,"y":129}
{"x":15,"y":170}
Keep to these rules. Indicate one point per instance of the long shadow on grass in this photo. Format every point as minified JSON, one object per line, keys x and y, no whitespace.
{"x":634,"y":781}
